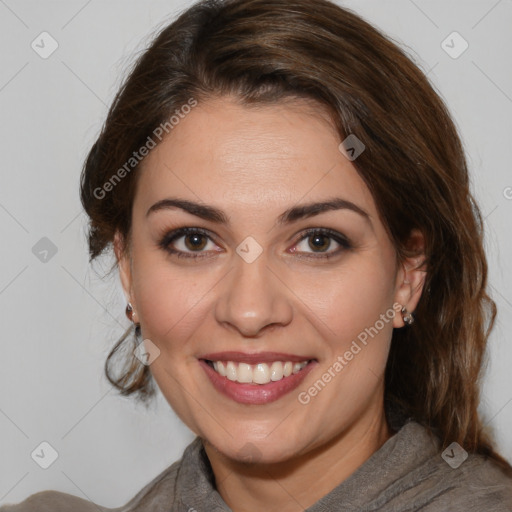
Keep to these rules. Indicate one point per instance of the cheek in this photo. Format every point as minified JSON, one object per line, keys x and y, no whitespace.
{"x":169,"y":302}
{"x":356,"y":313}
{"x":352,"y":299}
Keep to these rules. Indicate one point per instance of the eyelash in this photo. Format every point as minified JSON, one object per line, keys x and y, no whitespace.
{"x":165,"y":242}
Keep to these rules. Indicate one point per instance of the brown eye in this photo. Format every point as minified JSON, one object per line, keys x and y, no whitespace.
{"x":319,"y":242}
{"x":189,"y":243}
{"x":195,"y":242}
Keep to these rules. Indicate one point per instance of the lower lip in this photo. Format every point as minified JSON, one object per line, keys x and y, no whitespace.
{"x":255,"y":394}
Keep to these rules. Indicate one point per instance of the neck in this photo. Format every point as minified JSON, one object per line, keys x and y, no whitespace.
{"x":298,"y":483}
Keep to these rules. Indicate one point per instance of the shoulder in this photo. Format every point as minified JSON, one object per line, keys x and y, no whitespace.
{"x":420,"y":476}
{"x":53,"y":501}
{"x":477,"y":484}
{"x":154,"y":496}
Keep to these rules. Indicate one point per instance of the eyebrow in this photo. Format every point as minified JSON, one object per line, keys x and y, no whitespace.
{"x":293,"y":214}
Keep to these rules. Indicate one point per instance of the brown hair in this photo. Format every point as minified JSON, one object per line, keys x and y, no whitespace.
{"x":264,"y":51}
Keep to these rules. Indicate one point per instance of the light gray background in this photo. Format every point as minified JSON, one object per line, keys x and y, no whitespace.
{"x":59,"y":319}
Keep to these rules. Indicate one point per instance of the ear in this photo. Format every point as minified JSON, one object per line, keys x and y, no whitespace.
{"x":410,"y":278}
{"x":124,"y":265}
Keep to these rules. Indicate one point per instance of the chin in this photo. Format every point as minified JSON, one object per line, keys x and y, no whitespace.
{"x":256,"y":451}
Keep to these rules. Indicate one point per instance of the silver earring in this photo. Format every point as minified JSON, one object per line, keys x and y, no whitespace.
{"x":129,"y":314}
{"x":129,"y":311}
{"x":407,"y":317}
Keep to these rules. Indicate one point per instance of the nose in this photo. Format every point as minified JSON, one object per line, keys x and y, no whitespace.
{"x":252,"y":299}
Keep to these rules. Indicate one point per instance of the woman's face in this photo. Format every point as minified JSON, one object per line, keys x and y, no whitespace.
{"x":263,"y":282}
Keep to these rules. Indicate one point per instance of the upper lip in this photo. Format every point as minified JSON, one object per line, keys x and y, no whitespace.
{"x":254,"y":357}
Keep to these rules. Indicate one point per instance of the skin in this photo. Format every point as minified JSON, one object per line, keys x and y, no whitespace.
{"x":254,"y":163}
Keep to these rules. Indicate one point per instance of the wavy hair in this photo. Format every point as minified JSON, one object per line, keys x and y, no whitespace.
{"x":266,"y":51}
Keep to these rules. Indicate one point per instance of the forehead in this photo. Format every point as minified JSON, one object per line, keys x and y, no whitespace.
{"x":227,"y":154}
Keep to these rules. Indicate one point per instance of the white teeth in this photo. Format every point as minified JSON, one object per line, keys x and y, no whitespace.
{"x":221,"y":369}
{"x":260,"y":373}
{"x":231,"y":371}
{"x":276,"y":371}
{"x":244,"y":373}
{"x":297,"y":367}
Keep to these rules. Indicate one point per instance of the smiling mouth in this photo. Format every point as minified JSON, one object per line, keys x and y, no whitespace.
{"x":258,"y":374}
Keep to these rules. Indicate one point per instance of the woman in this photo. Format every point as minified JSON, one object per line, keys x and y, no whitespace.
{"x":288,"y":202}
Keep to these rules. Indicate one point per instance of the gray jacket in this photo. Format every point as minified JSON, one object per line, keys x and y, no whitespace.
{"x":408,"y":473}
